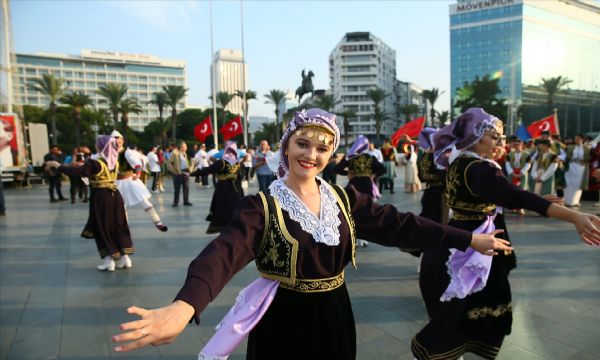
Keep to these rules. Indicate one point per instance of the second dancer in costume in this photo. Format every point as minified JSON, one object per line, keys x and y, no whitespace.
{"x":228,"y":191}
{"x":468,"y":297}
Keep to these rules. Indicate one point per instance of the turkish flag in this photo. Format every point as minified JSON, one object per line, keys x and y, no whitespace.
{"x":231,"y":128}
{"x":546,"y":124}
{"x":412,"y":129}
{"x":204,"y":129}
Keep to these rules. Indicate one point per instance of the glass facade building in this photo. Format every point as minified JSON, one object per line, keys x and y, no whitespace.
{"x":143,"y":75}
{"x":522,"y":42}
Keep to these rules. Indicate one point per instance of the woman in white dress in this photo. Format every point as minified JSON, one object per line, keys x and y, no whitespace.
{"x":578,"y":159}
{"x":411,"y":179}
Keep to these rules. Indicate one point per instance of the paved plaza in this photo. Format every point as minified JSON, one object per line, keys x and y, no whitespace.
{"x":54,"y":304}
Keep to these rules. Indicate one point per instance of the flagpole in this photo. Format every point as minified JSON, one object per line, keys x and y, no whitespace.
{"x":556,"y":121}
{"x":244,"y":100}
{"x":214,"y":87}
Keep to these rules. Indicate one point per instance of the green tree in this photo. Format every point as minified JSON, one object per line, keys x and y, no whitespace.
{"x":77,"y":101}
{"x":377,"y":96}
{"x":409,"y":111}
{"x":175,"y":93}
{"x":128,"y":106}
{"x":113,"y":94}
{"x":161,"y":101}
{"x":326,"y":102}
{"x":276,"y":97}
{"x":54,"y":88}
{"x":346,"y":116}
{"x":223,"y":99}
{"x":267,"y":132}
{"x":553,"y":86}
{"x":481,"y":92}
{"x":443,"y":117}
{"x":432,"y":96}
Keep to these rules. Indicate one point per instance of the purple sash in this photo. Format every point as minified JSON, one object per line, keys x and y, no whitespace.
{"x":468,"y":270}
{"x":250,"y":306}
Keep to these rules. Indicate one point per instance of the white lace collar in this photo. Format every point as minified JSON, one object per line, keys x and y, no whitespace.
{"x":324,"y":229}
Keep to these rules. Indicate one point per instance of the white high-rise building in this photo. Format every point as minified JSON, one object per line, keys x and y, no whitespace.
{"x":231,"y":76}
{"x":361,"y":62}
{"x":143,"y":75}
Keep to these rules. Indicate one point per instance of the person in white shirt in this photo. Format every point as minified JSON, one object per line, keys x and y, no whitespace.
{"x":375,"y":152}
{"x":154,"y":166}
{"x":201,"y":161}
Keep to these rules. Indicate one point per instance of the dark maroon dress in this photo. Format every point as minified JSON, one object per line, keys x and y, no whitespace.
{"x":227,"y":195}
{"x":107,"y":221}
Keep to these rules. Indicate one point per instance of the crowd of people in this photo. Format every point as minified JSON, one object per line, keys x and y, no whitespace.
{"x":302,"y":229}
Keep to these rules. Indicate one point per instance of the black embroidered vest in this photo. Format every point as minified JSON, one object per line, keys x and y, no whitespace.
{"x":460,"y":197}
{"x":278,"y":250}
{"x":361,"y":165}
{"x":428,"y":173}
{"x":228,"y":171}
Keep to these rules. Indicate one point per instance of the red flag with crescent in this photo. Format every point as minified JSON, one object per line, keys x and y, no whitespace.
{"x":231,"y":128}
{"x":203,"y":130}
{"x":411,"y":129}
{"x":546,"y":124}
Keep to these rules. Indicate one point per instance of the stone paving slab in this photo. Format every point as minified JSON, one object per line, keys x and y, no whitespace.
{"x":54,"y":304}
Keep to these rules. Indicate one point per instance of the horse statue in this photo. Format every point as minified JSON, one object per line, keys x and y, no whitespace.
{"x":307,"y":85}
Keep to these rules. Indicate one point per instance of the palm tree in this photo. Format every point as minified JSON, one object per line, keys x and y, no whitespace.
{"x":114,"y":94}
{"x":443,"y":117}
{"x":54,"y":88}
{"x":247,"y":96}
{"x":326,"y":102}
{"x":126,"y":107}
{"x":432,"y":96}
{"x":77,"y":101}
{"x":409,"y":111}
{"x":377,"y":96}
{"x":276,"y":97}
{"x":175,"y":93}
{"x":346,"y":116}
{"x":160,"y":100}
{"x":552,"y":86}
{"x":223,"y":99}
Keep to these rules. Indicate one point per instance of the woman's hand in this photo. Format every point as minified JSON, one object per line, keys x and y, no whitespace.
{"x":588,"y":227}
{"x":157,"y":327}
{"x":486,"y":243}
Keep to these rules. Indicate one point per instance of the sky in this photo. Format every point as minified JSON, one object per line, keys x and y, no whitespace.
{"x":280,"y":37}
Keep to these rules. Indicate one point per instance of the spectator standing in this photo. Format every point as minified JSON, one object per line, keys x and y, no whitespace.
{"x":262,"y":170}
{"x":179,"y":167}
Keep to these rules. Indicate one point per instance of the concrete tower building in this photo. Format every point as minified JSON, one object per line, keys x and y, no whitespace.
{"x":231,"y":76}
{"x":360,"y":62}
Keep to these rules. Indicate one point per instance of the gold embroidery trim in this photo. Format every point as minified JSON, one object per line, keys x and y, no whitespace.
{"x":105,"y":178}
{"x":315,"y":285}
{"x":476,"y":347}
{"x":464,"y":217}
{"x":362,"y":165}
{"x":500,"y":310}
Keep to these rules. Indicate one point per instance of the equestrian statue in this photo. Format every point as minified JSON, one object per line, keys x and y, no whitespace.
{"x":307,"y":85}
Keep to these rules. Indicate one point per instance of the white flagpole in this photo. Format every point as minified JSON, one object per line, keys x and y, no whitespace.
{"x":214,"y":87}
{"x":244,"y":100}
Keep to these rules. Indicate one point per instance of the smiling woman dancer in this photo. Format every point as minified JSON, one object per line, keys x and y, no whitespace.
{"x":468,"y":296}
{"x":301,"y":237}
